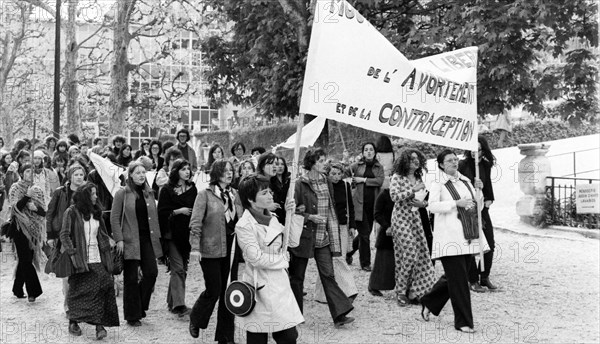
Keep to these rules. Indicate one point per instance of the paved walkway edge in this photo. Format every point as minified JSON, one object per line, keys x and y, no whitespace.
{"x":585,"y":233}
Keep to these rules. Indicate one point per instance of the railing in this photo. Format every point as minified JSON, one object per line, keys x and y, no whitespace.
{"x":561,"y":206}
{"x":574,"y":174}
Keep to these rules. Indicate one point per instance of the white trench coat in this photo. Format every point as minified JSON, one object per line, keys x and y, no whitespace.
{"x":276,"y":308}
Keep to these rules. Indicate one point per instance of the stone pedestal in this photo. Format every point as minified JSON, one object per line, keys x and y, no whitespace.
{"x":533,"y":170}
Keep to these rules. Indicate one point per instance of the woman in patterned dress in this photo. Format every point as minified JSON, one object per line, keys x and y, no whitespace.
{"x":414,"y":272}
{"x":91,"y":296}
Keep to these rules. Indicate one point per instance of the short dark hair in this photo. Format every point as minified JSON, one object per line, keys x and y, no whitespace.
{"x":118,"y":138}
{"x":167,"y":145}
{"x":178,"y":165}
{"x":183,"y":131}
{"x":259,"y":149}
{"x":250,"y":186}
{"x":172,"y":154}
{"x":311,"y":157}
{"x":263,"y":159}
{"x":218,"y":169}
{"x":96,"y":140}
{"x":73,"y":138}
{"x":440,"y":157}
{"x":156,"y":142}
{"x":236,"y":145}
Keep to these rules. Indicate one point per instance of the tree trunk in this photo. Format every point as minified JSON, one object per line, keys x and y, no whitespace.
{"x":71,"y":83}
{"x":9,"y":52}
{"x":119,"y":74}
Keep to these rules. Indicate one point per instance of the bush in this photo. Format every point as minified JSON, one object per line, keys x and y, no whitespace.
{"x":355,"y":137}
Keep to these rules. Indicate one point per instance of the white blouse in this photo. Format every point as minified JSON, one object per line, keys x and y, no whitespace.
{"x":91,"y":238}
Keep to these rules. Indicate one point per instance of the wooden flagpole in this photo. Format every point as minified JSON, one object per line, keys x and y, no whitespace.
{"x":294,"y":177}
{"x":479,"y":202}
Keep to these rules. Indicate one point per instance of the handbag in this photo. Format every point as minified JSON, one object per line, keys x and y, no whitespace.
{"x":467,"y":217}
{"x":240,"y":296}
{"x":5,"y":229}
{"x":118,"y":258}
{"x":118,"y":261}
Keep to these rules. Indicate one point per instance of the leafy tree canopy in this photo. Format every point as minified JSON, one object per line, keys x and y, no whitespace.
{"x":261,"y":57}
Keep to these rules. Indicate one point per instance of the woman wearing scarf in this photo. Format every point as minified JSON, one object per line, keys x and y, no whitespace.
{"x":43,"y":177}
{"x":414,"y":272}
{"x":134,"y":222}
{"x":28,"y":232}
{"x":174,"y":209}
{"x":91,"y":297}
{"x":368,"y":176}
{"x":455,"y":241}
{"x":61,"y":200}
{"x":260,"y":236}
{"x":215,"y":214}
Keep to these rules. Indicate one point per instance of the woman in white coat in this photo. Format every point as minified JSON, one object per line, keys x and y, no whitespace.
{"x":260,"y":236}
{"x":452,"y":199}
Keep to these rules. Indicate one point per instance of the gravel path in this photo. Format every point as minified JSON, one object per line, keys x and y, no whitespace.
{"x":549,"y":293}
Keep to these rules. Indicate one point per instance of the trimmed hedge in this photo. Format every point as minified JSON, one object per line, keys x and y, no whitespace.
{"x":354,"y":137}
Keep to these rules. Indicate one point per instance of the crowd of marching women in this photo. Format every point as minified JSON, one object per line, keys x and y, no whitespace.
{"x":64,"y":219}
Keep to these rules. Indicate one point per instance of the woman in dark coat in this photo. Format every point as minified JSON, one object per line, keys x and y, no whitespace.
{"x":91,"y":296}
{"x":383,"y":274}
{"x":280,"y":185}
{"x":368,"y":176}
{"x":134,"y":221}
{"x":175,"y":205}
{"x":477,"y":278}
{"x":125,"y":156}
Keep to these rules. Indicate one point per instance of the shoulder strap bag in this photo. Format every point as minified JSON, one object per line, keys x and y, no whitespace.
{"x":240,"y":296}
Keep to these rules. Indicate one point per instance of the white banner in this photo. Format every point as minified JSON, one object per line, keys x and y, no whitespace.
{"x":355,"y":75}
{"x":108,"y":171}
{"x":310,"y":134}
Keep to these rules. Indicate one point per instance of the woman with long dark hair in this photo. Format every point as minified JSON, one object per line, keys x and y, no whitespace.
{"x":214,"y":216}
{"x":368,"y":176}
{"x":215,"y":153}
{"x":91,"y":297}
{"x":175,"y":205}
{"x":385,"y":156}
{"x":27,"y":232}
{"x":414,"y":272}
{"x":134,"y":222}
{"x":125,"y":156}
{"x":455,"y":240}
{"x":61,"y":200}
{"x":156,"y":155}
{"x":477,"y":278}
{"x":280,"y":184}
